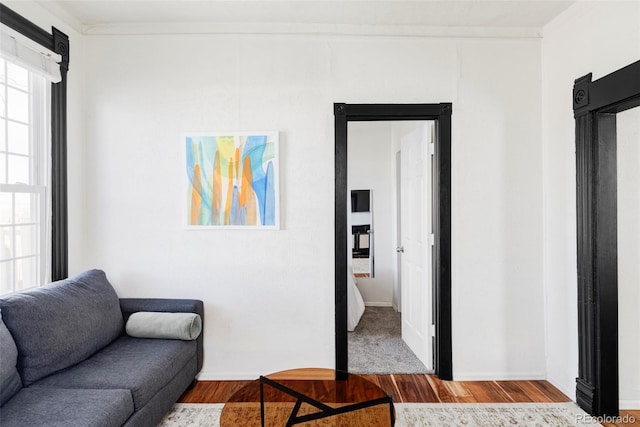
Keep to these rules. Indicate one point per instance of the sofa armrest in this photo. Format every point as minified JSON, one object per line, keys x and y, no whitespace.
{"x":133,"y":305}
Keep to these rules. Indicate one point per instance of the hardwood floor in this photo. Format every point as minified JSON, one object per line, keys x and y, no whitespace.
{"x":630,"y":415}
{"x":212,"y":391}
{"x":413,"y":388}
{"x":419,"y":388}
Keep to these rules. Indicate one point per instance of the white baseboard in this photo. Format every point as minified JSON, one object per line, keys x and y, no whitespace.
{"x":569,"y":392}
{"x":462,"y":376}
{"x":227,"y":376}
{"x":498,"y":376}
{"x":377,"y":304}
{"x":630,"y":404}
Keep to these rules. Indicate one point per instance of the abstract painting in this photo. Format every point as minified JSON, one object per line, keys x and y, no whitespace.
{"x":232,"y":180}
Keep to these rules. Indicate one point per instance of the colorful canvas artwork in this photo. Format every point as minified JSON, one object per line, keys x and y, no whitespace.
{"x":232,"y":180}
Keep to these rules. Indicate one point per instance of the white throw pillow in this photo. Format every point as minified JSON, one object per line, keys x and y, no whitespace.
{"x":177,"y":326}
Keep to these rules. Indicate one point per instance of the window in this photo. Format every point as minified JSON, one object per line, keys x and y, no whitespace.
{"x":33,"y":153}
{"x":24,"y":171}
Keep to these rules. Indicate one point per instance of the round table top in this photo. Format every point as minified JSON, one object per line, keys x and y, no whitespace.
{"x":317,"y":385}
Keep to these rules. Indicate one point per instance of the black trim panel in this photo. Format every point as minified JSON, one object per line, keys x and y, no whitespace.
{"x":59,"y":220}
{"x":595,"y":104}
{"x":25,"y":27}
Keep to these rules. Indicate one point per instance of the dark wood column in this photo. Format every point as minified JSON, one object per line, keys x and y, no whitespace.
{"x":59,"y":210}
{"x":585,"y":193}
{"x":595,"y":105}
{"x":340,"y":218}
{"x":596,"y":206}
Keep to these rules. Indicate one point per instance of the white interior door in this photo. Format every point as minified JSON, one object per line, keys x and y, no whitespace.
{"x":416,"y":241}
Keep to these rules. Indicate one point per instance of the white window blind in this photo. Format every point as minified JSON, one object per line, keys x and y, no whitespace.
{"x":23,"y":51}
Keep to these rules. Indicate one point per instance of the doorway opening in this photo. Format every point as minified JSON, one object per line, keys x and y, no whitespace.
{"x":390,"y":262}
{"x":440,"y":115}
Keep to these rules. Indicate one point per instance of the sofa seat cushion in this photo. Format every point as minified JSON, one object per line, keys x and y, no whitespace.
{"x":60,"y":324}
{"x":57,"y":407}
{"x":140,"y":365}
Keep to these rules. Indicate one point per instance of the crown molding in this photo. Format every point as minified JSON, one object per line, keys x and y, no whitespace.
{"x":200,"y":28}
{"x":59,"y":12}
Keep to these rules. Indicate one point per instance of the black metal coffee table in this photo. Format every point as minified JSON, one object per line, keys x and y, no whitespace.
{"x":309,"y":397}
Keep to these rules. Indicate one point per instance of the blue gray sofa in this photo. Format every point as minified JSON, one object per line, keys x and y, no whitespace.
{"x":65,"y":359}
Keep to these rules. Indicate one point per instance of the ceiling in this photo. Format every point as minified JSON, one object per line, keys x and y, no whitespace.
{"x":96,"y":16}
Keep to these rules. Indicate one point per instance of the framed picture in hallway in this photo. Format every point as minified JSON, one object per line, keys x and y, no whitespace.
{"x":231,"y":180}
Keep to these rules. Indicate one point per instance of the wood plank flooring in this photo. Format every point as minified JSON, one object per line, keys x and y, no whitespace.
{"x":632,"y":415}
{"x":419,"y":388}
{"x":413,"y":388}
{"x":212,"y":391}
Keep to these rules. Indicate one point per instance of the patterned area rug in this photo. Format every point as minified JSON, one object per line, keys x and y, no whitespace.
{"x":193,"y":414}
{"x":491,"y":414}
{"x":426,"y":414}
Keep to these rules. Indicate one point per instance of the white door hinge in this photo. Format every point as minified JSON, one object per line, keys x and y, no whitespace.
{"x":432,"y":239}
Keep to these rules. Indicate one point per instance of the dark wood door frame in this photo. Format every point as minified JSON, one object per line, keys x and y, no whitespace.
{"x":441,"y":114}
{"x":595,"y":105}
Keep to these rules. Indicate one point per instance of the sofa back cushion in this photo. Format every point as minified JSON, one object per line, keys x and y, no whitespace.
{"x":62,"y":323}
{"x":10,"y":382}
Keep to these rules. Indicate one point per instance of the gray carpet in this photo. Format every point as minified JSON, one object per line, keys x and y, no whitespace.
{"x":376,"y":346}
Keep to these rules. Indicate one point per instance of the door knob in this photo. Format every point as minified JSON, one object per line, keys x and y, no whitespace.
{"x":400,"y":249}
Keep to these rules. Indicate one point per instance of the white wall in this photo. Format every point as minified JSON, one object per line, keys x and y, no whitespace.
{"x":75,"y":127}
{"x":370,"y":163}
{"x":597,"y":37}
{"x":131,"y":97}
{"x":497,"y":216}
{"x":269,"y":296}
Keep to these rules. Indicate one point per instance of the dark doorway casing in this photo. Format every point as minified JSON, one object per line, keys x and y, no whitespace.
{"x":595,"y":105}
{"x":441,"y":114}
